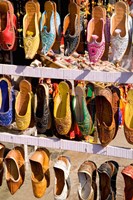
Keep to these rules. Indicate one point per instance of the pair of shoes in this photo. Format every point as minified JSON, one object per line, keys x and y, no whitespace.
{"x":7,"y":26}
{"x":81,"y":114}
{"x":106,"y":115}
{"x":87,"y":179}
{"x":50,"y":28}
{"x":62,"y":109}
{"x":128,"y":117}
{"x":23,"y":105}
{"x":119,"y":31}
{"x":107,"y":179}
{"x":62,"y":180}
{"x":15,"y":169}
{"x":127,"y":173}
{"x":2,"y":149}
{"x":71,"y":29}
{"x":7,"y":102}
{"x":95,"y":34}
{"x":42,"y":114}
{"x":31,"y":34}
{"x":39,"y":162}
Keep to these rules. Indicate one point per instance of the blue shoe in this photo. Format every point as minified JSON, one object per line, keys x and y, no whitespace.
{"x":6,"y":102}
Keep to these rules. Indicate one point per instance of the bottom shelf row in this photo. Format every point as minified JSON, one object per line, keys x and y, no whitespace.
{"x":12,"y":161}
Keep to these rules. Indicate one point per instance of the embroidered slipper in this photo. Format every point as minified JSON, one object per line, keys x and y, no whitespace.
{"x":71,"y":29}
{"x":48,"y":27}
{"x":105,"y":116}
{"x":62,"y":110}
{"x":128,"y":117}
{"x":23,"y":105}
{"x":39,"y":162}
{"x":7,"y":26}
{"x":7,"y":102}
{"x":31,"y":33}
{"x":87,"y":179}
{"x":80,"y":111}
{"x":95,"y":34}
{"x":2,"y":150}
{"x":119,"y":32}
{"x":127,"y":173}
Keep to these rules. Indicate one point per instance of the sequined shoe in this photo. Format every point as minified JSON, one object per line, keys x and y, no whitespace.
{"x":95,"y":35}
{"x":71,"y":29}
{"x":7,"y":102}
{"x":119,"y":32}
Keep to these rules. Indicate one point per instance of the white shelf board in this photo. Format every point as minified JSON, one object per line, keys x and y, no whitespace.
{"x":70,"y":74}
{"x":57,"y":143}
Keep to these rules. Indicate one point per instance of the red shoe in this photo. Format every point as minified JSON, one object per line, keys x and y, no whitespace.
{"x":8,"y":23}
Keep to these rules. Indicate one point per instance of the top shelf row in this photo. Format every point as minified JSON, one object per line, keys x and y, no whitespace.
{"x":67,"y":74}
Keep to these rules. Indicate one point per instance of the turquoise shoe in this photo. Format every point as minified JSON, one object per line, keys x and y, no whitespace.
{"x":6,"y":102}
{"x":47,"y":27}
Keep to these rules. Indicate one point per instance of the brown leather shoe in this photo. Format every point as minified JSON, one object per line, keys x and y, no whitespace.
{"x":40,"y":177}
{"x":2,"y":149}
{"x":105,"y":116}
{"x":15,"y":169}
{"x":87,"y":179}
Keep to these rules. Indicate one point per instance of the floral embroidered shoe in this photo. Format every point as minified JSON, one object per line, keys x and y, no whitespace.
{"x":7,"y":102}
{"x":80,"y":111}
{"x":128,"y":117}
{"x":119,"y":32}
{"x":62,"y":110}
{"x":31,"y":35}
{"x":71,"y":29}
{"x":23,"y":105}
{"x":7,"y":26}
{"x":48,"y":27}
{"x":42,"y":109}
{"x":95,"y":35}
{"x":62,"y":180}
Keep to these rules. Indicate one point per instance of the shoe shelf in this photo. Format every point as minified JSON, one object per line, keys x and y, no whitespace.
{"x":31,"y":137}
{"x":62,"y":144}
{"x":67,"y":74}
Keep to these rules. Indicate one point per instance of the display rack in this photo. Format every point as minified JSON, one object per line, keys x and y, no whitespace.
{"x":56,"y":143}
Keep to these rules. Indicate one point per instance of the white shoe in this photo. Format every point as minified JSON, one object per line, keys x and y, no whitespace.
{"x":62,"y":180}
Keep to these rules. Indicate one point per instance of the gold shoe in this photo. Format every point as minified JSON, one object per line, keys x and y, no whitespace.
{"x":23,"y":105}
{"x":39,"y":162}
{"x":2,"y":149}
{"x":15,"y":169}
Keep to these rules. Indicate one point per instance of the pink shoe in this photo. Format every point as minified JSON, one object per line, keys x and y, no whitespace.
{"x":95,"y":35}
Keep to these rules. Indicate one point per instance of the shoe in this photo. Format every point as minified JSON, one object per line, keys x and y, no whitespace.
{"x":107,"y":179}
{"x":81,"y":114}
{"x":119,"y":32}
{"x":95,"y":35}
{"x":15,"y":169}
{"x":87,"y":179}
{"x":128,"y":117}
{"x":2,"y":149}
{"x":62,"y":180}
{"x":23,"y":105}
{"x":71,"y":29}
{"x":127,"y":173}
{"x":62,"y":109}
{"x":39,"y":162}
{"x":42,"y":109}
{"x":7,"y":102}
{"x":8,"y":26}
{"x":48,"y":27}
{"x":105,"y":116}
{"x":31,"y":35}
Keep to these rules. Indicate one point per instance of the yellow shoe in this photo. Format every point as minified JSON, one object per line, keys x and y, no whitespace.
{"x":23,"y":105}
{"x":62,"y":110}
